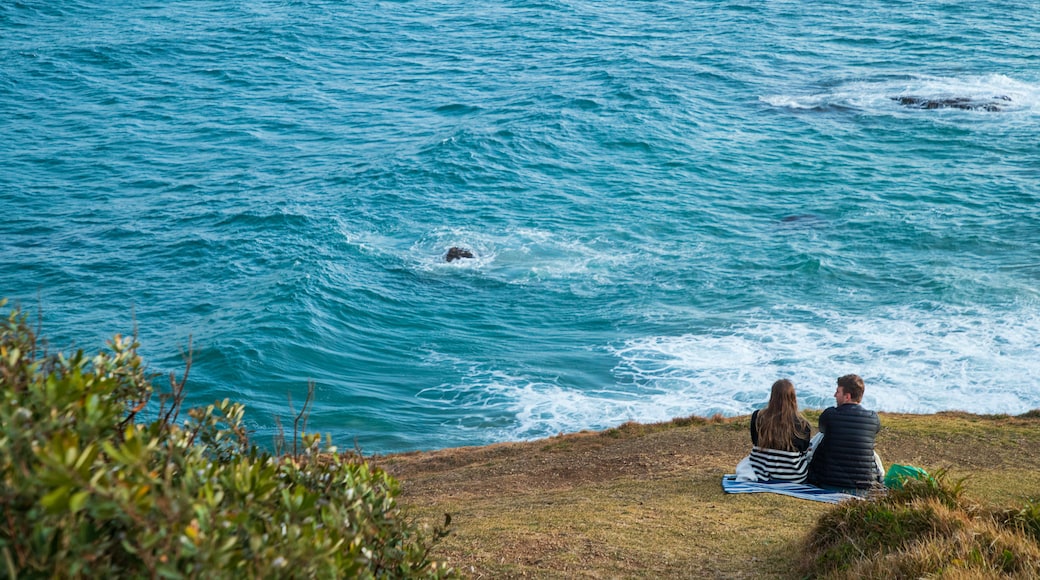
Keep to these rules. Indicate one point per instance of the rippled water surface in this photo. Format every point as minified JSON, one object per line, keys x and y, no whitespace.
{"x":670,"y":205}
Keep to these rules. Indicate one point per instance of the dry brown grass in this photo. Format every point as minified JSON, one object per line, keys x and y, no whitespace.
{"x":645,"y":501}
{"x":928,"y":529}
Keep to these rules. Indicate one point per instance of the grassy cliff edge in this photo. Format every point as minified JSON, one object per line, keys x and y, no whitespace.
{"x":646,"y":500}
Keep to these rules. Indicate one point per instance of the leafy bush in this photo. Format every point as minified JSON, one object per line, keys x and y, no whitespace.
{"x":90,"y":490}
{"x":925,"y":529}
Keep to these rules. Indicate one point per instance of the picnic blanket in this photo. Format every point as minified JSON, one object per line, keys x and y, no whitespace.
{"x":799,"y":490}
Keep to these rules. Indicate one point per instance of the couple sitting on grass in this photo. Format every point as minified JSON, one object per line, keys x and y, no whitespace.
{"x":840,"y":457}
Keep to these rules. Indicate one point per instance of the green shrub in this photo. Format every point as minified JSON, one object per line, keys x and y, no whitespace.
{"x":91,"y":490}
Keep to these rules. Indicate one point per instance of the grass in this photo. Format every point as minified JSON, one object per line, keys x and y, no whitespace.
{"x":645,"y":501}
{"x":927,"y":529}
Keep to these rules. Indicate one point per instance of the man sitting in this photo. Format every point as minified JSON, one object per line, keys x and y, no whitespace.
{"x":845,"y":459}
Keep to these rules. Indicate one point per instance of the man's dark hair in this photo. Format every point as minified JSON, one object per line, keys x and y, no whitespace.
{"x":853,"y":385}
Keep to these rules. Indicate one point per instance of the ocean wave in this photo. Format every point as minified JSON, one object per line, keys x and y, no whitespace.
{"x":913,"y":360}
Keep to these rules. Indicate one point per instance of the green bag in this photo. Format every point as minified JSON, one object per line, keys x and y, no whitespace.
{"x":897,"y":474}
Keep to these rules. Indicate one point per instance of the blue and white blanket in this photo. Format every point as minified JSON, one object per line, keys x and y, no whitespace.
{"x":799,"y":490}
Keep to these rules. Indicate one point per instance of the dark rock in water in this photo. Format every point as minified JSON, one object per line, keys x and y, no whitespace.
{"x":457,"y":253}
{"x":802,"y":217}
{"x":964,"y":103}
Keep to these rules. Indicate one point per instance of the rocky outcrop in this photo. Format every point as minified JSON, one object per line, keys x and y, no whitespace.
{"x":457,"y":253}
{"x":993,"y":105}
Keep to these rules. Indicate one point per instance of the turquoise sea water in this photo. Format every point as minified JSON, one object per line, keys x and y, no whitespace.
{"x":670,"y":204}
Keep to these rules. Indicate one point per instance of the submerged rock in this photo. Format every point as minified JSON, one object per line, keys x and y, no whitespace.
{"x":457,"y":253}
{"x":801,"y":217}
{"x":993,"y":105}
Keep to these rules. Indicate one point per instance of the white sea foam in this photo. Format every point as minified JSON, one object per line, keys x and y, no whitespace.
{"x":879,"y":95}
{"x":520,"y":255}
{"x":497,"y":406}
{"x":912,"y":361}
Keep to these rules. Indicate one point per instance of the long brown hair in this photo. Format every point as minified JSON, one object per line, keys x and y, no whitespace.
{"x":780,"y":421}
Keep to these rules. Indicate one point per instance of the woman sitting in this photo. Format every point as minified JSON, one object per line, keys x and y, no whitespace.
{"x":780,"y":436}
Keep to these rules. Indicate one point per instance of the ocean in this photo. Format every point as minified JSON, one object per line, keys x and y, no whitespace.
{"x":669,"y":205}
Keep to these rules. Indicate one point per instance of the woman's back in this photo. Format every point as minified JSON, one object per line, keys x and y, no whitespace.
{"x":780,"y":437}
{"x":788,"y":464}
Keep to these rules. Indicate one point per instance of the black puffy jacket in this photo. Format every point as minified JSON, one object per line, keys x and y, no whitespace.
{"x":845,"y":457}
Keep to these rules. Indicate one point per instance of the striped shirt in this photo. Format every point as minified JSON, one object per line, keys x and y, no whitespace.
{"x":773,"y":464}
